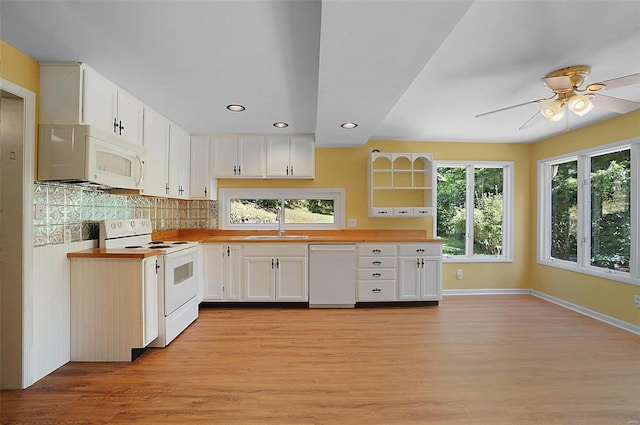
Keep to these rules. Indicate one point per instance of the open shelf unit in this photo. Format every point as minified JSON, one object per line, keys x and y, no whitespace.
{"x":401,"y":185}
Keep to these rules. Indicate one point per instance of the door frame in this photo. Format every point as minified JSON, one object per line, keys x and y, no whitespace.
{"x":28,"y":173}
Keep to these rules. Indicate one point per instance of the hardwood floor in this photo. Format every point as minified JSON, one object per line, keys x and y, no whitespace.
{"x":472,"y":360}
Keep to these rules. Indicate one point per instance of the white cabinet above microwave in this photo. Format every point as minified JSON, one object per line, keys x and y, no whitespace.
{"x":72,"y":93}
{"x":84,"y":154}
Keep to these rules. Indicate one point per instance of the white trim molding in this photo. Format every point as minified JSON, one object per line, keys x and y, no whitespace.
{"x":635,"y":329}
{"x":629,"y":327}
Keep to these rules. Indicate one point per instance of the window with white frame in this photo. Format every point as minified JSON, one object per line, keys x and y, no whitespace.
{"x":260,"y":209}
{"x":588,"y":211}
{"x":475,"y":210}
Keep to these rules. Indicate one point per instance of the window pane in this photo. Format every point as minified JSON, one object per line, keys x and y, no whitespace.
{"x":451,"y":209}
{"x":254,"y":210}
{"x":488,"y":211}
{"x":308,"y":211}
{"x":564,"y":211}
{"x":611,"y":210}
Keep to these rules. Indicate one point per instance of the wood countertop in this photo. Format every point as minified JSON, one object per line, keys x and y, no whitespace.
{"x":314,"y":236}
{"x":237,"y":236}
{"x":114,"y":253}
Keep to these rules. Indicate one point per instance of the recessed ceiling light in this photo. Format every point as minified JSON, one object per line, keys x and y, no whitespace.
{"x":348,"y":125}
{"x":235,"y":108}
{"x":280,"y":124}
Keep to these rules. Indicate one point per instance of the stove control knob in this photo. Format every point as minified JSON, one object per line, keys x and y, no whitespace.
{"x":133,"y":224}
{"x":119,"y":225}
{"x":113,"y":225}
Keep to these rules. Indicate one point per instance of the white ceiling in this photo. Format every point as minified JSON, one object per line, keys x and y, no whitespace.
{"x":410,"y":70}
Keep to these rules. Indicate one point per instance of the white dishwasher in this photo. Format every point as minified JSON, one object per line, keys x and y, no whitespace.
{"x":332,"y":276}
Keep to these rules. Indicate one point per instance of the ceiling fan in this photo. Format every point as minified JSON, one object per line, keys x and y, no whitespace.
{"x":565,"y":85}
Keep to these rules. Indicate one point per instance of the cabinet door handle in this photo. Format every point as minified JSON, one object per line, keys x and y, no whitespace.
{"x":377,"y":263}
{"x":277,"y":263}
{"x":121,"y":128}
{"x":115,"y":124}
{"x":376,"y":251}
{"x":376,"y":290}
{"x":287,"y":170}
{"x":376,"y":275}
{"x":205,"y":192}
{"x":235,"y":170}
{"x":239,"y":170}
{"x":417,"y":262}
{"x":272,"y":263}
{"x":228,"y":251}
{"x":422,"y":263}
{"x":292,"y":170}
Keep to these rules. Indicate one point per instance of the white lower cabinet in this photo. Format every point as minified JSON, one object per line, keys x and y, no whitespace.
{"x":114,"y":307}
{"x":420,"y":276}
{"x":376,"y":272}
{"x":275,"y":272}
{"x":221,"y":272}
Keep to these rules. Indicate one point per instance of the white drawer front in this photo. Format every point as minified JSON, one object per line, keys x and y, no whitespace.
{"x":383,"y":290}
{"x":382,"y":212}
{"x":423,"y":211}
{"x":377,"y":262}
{"x":379,"y":250}
{"x":376,"y":274}
{"x":421,"y":249}
{"x":403,"y":212}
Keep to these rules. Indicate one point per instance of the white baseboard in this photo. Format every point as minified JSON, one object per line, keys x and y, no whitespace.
{"x":587,"y":312}
{"x":496,"y":291}
{"x":634,"y":329}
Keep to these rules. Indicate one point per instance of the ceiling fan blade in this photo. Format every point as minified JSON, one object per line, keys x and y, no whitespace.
{"x":619,"y":82}
{"x":514,"y":106}
{"x":621,"y":106}
{"x":535,"y":119}
{"x":558,"y":84}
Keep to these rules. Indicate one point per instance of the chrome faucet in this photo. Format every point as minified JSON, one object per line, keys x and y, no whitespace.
{"x":280,"y":218}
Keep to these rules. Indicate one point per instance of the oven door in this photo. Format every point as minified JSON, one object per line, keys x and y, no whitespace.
{"x":180,"y":278}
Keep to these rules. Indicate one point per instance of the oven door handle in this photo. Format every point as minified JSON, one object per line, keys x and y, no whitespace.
{"x":173,"y":256}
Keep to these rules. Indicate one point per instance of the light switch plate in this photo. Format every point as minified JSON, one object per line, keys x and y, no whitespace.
{"x":351,"y":222}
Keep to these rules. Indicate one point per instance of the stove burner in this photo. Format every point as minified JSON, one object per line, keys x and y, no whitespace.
{"x":156,"y":243}
{"x":133,"y":246}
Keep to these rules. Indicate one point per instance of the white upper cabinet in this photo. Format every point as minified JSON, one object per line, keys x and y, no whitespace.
{"x":156,"y":143}
{"x":179,"y":158}
{"x":73,"y":93}
{"x":290,"y":157}
{"x":202,"y":184}
{"x":238,"y":156}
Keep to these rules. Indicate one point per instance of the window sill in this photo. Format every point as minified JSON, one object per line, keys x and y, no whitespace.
{"x":476,"y":259}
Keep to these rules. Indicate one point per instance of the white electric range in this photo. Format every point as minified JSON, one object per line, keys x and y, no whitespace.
{"x":178,"y":273}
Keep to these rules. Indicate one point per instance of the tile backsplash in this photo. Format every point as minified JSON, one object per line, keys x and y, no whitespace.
{"x":79,"y":209}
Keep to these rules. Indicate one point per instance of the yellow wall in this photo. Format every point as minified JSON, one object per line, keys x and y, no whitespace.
{"x":605,"y":296}
{"x":20,"y":69}
{"x":347,"y":168}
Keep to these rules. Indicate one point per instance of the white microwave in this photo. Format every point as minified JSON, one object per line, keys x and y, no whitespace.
{"x":88,"y":155}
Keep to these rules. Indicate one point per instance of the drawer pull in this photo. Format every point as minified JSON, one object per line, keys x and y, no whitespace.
{"x":376,"y":251}
{"x":376,"y":290}
{"x":376,"y":275}
{"x":377,"y":263}
{"x":420,"y":250}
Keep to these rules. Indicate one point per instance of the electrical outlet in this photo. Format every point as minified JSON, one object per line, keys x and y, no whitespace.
{"x":38,"y":212}
{"x":459,"y":274}
{"x":636,"y":301}
{"x":351,"y":222}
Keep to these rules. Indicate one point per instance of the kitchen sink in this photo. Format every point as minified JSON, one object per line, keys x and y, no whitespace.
{"x":277,"y":237}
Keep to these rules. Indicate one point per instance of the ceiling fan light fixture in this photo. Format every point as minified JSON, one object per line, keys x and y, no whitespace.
{"x":348,"y":125}
{"x":553,"y":111}
{"x":580,"y":104}
{"x":280,"y":124}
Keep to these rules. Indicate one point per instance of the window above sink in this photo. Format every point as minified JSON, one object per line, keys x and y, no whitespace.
{"x":304,"y":209}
